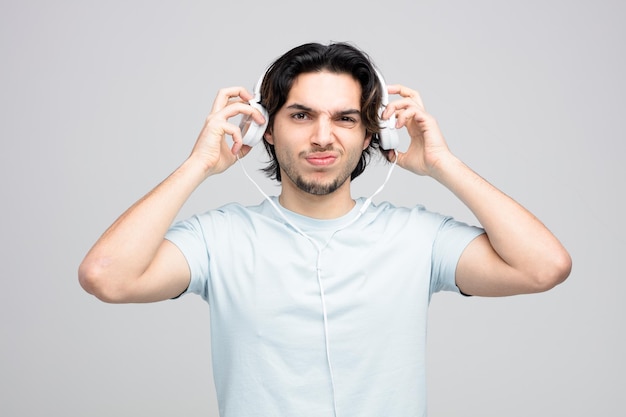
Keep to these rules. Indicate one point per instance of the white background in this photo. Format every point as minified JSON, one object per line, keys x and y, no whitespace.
{"x":99,"y":101}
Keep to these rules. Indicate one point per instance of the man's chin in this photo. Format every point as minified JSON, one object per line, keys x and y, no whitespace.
{"x":316,"y":188}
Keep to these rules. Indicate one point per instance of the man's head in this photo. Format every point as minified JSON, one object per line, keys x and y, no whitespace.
{"x":337,"y":58}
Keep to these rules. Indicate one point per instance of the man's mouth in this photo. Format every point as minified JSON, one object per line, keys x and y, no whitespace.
{"x":321,"y":158}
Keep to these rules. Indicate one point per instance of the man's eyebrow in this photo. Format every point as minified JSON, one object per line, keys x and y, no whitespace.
{"x":349,"y":112}
{"x":302,"y":107}
{"x":346,"y":112}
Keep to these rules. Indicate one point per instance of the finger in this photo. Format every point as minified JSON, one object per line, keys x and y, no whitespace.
{"x":394,"y":155}
{"x":390,"y":154}
{"x":404,"y":110}
{"x":237,"y":108}
{"x":404,"y":116}
{"x":237,"y":141}
{"x":238,"y":147}
{"x":224,"y":95}
{"x":234,"y":132}
{"x":406,"y":93}
{"x":242,"y":151}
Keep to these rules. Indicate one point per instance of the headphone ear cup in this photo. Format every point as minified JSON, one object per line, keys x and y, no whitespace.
{"x":253,"y":132}
{"x":388,"y":134}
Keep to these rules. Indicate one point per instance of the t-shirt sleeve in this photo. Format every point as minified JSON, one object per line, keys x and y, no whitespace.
{"x":451,"y":240}
{"x":188,"y":236}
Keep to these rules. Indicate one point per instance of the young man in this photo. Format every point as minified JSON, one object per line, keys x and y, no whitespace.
{"x":318,"y":300}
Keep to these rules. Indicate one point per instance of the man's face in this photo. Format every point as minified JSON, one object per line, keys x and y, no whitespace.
{"x":318,"y":134}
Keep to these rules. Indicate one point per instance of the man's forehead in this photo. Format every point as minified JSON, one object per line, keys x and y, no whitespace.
{"x":323,"y":91}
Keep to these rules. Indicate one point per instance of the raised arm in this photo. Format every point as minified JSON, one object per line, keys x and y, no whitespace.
{"x":517,"y":254}
{"x":132,"y":262}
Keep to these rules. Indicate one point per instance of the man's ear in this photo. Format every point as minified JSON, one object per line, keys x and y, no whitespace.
{"x":268,"y":136}
{"x":368,"y":140}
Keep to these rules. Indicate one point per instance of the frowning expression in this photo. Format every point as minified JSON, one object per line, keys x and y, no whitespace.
{"x":318,"y":134}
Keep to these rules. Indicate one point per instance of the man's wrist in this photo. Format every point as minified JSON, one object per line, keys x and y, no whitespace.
{"x":194,"y":170}
{"x":446,"y":168}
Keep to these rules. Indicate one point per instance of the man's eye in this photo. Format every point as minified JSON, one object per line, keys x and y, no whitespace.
{"x":299,"y":116}
{"x":347,"y":121}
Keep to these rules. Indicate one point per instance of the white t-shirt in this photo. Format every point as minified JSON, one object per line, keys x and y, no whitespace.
{"x":273,"y":353}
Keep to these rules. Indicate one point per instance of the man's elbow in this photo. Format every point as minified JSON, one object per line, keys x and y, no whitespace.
{"x":554,"y":273}
{"x":95,"y":281}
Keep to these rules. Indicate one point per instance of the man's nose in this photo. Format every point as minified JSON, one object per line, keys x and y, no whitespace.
{"x":323,"y":134}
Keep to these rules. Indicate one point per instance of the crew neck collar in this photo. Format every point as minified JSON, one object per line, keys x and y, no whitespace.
{"x":308,"y":223}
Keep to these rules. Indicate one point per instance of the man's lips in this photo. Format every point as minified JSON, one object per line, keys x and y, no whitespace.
{"x":321,"y":158}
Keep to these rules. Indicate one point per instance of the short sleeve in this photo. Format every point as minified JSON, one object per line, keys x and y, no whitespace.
{"x":451,"y":240}
{"x":188,"y":236}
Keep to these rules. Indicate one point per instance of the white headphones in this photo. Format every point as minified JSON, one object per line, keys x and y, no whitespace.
{"x":388,"y":133}
{"x":253,"y":132}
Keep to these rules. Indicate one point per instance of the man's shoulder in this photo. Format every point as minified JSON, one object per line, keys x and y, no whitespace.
{"x":236,"y":210}
{"x":389,"y":208}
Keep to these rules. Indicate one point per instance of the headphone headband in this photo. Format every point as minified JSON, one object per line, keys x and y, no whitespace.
{"x":253,"y":132}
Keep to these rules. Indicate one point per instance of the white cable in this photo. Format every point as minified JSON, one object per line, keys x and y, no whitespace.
{"x":369,"y":200}
{"x":318,"y":265}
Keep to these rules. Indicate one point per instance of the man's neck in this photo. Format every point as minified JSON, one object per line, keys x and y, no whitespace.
{"x":329,"y":206}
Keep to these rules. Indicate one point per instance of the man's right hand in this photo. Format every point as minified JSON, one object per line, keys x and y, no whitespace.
{"x":211,"y":150}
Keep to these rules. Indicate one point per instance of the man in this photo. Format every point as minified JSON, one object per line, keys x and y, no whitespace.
{"x":318,"y":300}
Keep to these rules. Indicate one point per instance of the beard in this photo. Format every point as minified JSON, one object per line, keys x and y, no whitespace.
{"x":317,"y":187}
